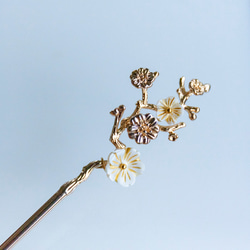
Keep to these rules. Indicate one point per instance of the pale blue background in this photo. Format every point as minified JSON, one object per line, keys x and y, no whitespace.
{"x":65,"y":64}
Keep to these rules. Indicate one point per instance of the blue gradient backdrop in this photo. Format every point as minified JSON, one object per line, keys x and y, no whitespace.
{"x":65,"y":64}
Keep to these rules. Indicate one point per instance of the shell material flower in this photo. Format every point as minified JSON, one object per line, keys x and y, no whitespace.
{"x":124,"y":165}
{"x":169,"y":110}
{"x":143,"y":78}
{"x":143,"y":128}
{"x":198,"y":88}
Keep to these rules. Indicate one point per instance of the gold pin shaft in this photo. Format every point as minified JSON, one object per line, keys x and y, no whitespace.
{"x":63,"y":191}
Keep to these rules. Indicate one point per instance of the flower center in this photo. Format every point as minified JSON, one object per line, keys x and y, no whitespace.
{"x":122,"y":166}
{"x":168,"y":110}
{"x":144,"y":129}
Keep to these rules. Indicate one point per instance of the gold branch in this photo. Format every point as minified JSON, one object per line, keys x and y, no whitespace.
{"x":115,"y":134}
{"x":143,"y":79}
{"x":144,"y":96}
{"x":170,"y":129}
{"x":195,"y":88}
{"x":83,"y":176}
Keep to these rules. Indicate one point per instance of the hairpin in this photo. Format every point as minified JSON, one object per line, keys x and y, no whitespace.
{"x":123,"y":165}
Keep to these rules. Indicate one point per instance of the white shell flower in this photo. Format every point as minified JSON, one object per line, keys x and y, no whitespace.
{"x":169,"y":110}
{"x":124,"y":165}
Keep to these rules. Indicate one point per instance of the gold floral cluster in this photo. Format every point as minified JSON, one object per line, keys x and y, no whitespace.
{"x":124,"y":164}
{"x":145,"y":127}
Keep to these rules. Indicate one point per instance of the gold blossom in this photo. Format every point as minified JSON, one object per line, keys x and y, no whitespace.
{"x":198,"y":88}
{"x":143,"y":128}
{"x":124,"y":165}
{"x":169,"y":110}
{"x":143,"y":78}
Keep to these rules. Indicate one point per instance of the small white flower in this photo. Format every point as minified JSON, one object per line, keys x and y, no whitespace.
{"x":169,"y":110}
{"x":124,"y":165}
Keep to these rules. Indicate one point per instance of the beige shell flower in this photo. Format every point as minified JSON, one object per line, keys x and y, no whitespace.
{"x":143,"y":78}
{"x":169,"y":110}
{"x":124,"y":165}
{"x":198,"y":88}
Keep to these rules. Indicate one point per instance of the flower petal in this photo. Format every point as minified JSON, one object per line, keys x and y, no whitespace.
{"x":139,"y":167}
{"x":152,"y":135}
{"x":130,"y":178}
{"x":145,"y":139}
{"x":122,"y":179}
{"x":139,"y":139}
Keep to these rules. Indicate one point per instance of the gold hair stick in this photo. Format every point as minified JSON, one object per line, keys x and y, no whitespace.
{"x":124,"y":164}
{"x":66,"y":189}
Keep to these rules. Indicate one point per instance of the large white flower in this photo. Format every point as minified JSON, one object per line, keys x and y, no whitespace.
{"x":124,"y":165}
{"x":169,"y":110}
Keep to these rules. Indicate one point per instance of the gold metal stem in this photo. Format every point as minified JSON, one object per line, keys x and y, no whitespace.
{"x":144,"y":96}
{"x":183,"y":94}
{"x":170,"y":129}
{"x":64,"y":190}
{"x":115,"y":134}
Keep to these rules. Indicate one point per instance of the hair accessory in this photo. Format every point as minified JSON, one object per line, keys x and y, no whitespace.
{"x":124,"y":164}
